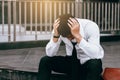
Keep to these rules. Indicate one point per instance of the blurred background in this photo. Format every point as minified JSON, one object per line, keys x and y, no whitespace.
{"x":26,"y":25}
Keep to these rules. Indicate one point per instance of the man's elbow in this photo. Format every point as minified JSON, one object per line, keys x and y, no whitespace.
{"x":95,"y":52}
{"x":50,"y":54}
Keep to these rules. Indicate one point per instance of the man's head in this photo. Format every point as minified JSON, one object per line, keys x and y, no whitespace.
{"x":63,"y":28}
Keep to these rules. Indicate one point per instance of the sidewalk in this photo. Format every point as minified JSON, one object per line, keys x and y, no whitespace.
{"x":28,"y":59}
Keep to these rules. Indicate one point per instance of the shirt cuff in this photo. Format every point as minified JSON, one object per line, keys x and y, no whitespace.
{"x":54,"y":43}
{"x":82,"y":43}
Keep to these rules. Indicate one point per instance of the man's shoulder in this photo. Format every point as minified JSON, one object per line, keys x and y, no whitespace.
{"x":84,"y":20}
{"x":87,"y":24}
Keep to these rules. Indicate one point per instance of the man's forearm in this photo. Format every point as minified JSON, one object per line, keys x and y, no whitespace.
{"x":78,"y":38}
{"x":55,"y":37}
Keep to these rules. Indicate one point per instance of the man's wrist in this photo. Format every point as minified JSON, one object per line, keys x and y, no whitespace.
{"x":54,"y":36}
{"x":78,"y":38}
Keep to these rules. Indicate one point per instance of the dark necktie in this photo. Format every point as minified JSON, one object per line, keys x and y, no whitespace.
{"x":74,"y":53}
{"x":75,"y":63}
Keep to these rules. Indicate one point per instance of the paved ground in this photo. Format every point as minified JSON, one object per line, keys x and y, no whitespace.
{"x":112,"y":54}
{"x":28,"y":59}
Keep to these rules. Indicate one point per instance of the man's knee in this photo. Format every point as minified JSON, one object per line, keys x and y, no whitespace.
{"x":45,"y":60}
{"x":94,"y":65}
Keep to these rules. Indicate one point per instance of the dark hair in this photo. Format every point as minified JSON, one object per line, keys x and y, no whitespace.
{"x":63,"y":28}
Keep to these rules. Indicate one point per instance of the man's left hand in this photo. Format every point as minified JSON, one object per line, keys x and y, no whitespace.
{"x":75,"y":29}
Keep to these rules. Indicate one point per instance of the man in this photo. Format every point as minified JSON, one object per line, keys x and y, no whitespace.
{"x":83,"y":59}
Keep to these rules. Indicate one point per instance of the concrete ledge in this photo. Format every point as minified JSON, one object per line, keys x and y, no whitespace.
{"x":24,"y":44}
{"x":109,"y":38}
{"x":42,"y":43}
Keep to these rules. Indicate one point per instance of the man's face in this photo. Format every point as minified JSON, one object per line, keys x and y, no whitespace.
{"x":70,"y":37}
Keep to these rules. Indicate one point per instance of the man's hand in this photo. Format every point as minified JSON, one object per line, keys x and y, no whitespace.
{"x":75,"y":29}
{"x":55,"y":26}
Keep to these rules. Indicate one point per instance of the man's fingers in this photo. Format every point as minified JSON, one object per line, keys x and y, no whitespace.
{"x":70,"y":22}
{"x":57,"y":20}
{"x":69,"y":25}
{"x":73,"y":20}
{"x":56,"y":23}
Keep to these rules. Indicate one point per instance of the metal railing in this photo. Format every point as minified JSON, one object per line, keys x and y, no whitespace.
{"x":35,"y":17}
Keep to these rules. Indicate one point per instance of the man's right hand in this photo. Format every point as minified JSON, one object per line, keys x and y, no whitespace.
{"x":55,"y":26}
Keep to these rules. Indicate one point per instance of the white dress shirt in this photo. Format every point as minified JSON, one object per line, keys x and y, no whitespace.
{"x":88,"y":48}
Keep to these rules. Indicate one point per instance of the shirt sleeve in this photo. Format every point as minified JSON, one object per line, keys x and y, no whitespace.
{"x":52,"y":47}
{"x":91,"y":46}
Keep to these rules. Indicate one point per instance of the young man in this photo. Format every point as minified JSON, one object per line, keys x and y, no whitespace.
{"x":83,"y":59}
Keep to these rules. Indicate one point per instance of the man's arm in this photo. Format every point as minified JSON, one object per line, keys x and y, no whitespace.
{"x":55,"y":32}
{"x":54,"y":43}
{"x":91,"y":46}
{"x":52,"y":47}
{"x":75,"y":29}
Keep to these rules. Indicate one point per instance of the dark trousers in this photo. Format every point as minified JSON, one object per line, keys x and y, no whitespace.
{"x":91,"y":70}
